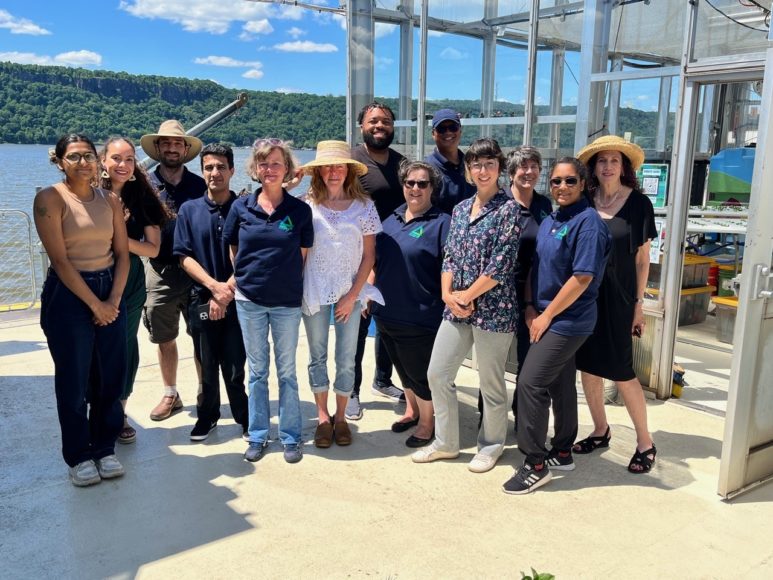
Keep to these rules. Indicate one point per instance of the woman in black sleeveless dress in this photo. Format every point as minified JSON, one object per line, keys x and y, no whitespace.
{"x":608,"y":353}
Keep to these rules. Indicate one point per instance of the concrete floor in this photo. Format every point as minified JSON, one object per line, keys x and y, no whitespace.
{"x":199,"y":511}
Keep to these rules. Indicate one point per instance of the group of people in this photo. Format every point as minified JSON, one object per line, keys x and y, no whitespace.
{"x":441,"y":253}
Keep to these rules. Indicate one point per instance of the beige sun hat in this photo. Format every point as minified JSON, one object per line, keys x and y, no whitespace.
{"x":334,"y":153}
{"x":633,"y":152}
{"x":170,"y":128}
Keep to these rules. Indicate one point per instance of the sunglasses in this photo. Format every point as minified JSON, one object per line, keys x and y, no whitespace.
{"x":261,"y":142}
{"x":75,"y":158}
{"x":570,"y":181}
{"x":450,"y":128}
{"x":421,"y":183}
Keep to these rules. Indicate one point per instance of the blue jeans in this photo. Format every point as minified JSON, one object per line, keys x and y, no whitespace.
{"x":256,"y":320}
{"x":89,"y":367}
{"x":317,"y":332}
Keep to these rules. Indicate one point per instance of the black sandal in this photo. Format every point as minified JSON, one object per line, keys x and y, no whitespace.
{"x":644,"y":459}
{"x":590,"y":444}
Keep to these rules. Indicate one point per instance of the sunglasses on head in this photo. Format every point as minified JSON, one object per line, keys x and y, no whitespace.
{"x":570,"y":181}
{"x":451,"y":127}
{"x":421,"y":183}
{"x":261,"y":142}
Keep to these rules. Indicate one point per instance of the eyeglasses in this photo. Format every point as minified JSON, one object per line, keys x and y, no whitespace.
{"x":75,"y":158}
{"x":261,"y":142}
{"x":272,"y":166}
{"x":421,"y":183}
{"x":570,"y":181}
{"x":487,"y":165}
{"x":449,"y":128}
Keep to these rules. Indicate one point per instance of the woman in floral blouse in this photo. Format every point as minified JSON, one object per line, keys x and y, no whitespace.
{"x":478,"y":286}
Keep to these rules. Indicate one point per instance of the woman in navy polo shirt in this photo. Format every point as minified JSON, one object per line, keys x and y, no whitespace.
{"x":270,"y":233}
{"x":572,"y":246}
{"x":478,"y":288}
{"x":409,"y":256}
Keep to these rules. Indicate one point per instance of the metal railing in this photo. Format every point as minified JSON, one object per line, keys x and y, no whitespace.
{"x":18,"y":281}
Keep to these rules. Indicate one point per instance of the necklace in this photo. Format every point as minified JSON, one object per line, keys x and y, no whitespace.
{"x":610,"y":203}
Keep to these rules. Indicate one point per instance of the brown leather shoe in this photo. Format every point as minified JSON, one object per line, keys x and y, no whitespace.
{"x":323,"y":436}
{"x":169,"y":405}
{"x":342,"y":434}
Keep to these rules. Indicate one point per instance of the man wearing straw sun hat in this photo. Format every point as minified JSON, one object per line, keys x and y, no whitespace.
{"x":167,"y":283}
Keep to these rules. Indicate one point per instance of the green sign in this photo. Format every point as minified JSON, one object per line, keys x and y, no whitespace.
{"x":654,"y":181}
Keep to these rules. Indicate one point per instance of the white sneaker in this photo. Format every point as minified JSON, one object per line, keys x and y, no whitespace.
{"x":429,"y":454}
{"x":109,"y":467}
{"x":84,"y":474}
{"x":482,"y":463}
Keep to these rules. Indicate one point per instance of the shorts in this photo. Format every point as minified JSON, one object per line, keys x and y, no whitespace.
{"x":169,"y":289}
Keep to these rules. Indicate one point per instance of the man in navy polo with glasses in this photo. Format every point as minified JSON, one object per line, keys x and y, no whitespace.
{"x":449,"y":160}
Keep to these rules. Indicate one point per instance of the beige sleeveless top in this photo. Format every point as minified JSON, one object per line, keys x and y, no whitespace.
{"x":87,"y":227}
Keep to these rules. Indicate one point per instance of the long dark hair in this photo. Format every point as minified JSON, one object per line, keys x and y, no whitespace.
{"x":627,"y":177}
{"x":138,"y":195}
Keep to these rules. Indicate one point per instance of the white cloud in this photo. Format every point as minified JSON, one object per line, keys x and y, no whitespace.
{"x":383,"y":29}
{"x":306,"y":46}
{"x":290,"y":13}
{"x":296,"y":32}
{"x":253,"y":27}
{"x":383,"y":62}
{"x":200,"y":15}
{"x":72,"y":58}
{"x":20,"y":25}
{"x":227,"y":61}
{"x":254,"y":74}
{"x":450,"y":53}
{"x":643,"y":98}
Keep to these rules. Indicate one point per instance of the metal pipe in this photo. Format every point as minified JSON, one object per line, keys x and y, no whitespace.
{"x":531,"y":72}
{"x":206,"y":124}
{"x":421,"y":124}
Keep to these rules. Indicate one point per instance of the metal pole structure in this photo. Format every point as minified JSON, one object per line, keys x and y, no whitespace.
{"x":614,"y":98}
{"x":488,"y":69}
{"x":531,"y":73}
{"x":663,"y":104}
{"x":556,"y":95}
{"x":360,"y":32}
{"x":206,"y":124}
{"x":405,"y":105}
{"x":421,"y":122}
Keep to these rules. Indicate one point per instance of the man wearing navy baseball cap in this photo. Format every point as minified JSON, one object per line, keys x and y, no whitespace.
{"x":449,"y":160}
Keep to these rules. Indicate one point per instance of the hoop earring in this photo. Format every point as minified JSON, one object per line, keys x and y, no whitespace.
{"x":104,"y":174}
{"x":132,"y":178}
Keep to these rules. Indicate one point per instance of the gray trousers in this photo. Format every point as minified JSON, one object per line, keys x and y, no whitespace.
{"x":452,"y":344}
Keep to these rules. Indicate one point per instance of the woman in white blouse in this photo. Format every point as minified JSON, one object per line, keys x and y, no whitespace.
{"x":335,"y":278}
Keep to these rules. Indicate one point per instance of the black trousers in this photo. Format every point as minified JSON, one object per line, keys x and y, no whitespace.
{"x":410,"y":348}
{"x":383,"y":362}
{"x":219,"y":347}
{"x":548,"y":379}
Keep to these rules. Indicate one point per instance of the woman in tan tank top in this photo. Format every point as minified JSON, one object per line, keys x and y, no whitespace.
{"x":82,"y":313}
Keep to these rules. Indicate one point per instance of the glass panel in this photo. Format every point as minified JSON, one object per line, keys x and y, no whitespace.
{"x":730,"y":27}
{"x":453,"y":10}
{"x":648,"y":31}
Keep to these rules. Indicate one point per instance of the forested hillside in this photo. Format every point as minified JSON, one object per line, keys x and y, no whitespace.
{"x":40,"y":103}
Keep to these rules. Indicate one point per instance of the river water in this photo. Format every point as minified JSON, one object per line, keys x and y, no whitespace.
{"x":23,"y":168}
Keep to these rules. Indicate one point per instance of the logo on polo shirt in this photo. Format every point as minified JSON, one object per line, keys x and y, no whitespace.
{"x":417,"y":233}
{"x":286,"y":225}
{"x":560,"y":234}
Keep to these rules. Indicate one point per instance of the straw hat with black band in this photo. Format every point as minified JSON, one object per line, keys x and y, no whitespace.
{"x":171,"y":128}
{"x":633,"y":152}
{"x":334,"y":153}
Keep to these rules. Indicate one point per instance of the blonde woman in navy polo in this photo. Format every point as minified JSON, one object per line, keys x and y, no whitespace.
{"x":561,"y":291}
{"x":409,"y":256}
{"x":269,"y":233}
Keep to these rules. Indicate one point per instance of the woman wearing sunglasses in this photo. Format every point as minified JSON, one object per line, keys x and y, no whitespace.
{"x":409,"y":256}
{"x":269,"y":233}
{"x":478,"y":288}
{"x":336,"y":279}
{"x":608,"y":354}
{"x":82,"y":314}
{"x":572,"y":246}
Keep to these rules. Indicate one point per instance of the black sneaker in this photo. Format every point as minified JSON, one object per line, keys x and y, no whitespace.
{"x":527,"y":479}
{"x":560,"y":460}
{"x":254,"y":452}
{"x":293,"y":453}
{"x":202,"y":429}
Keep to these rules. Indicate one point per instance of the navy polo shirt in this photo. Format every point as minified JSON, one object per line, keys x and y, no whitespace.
{"x":538,"y":210}
{"x":572,"y":240}
{"x":268,"y":266}
{"x":453,"y":186}
{"x":191,"y":186}
{"x":409,"y":257}
{"x":199,"y":235}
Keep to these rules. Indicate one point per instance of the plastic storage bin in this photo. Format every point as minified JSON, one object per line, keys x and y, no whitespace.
{"x":727,"y":309}
{"x":695,"y":272}
{"x":725,"y":278}
{"x":693,"y":304}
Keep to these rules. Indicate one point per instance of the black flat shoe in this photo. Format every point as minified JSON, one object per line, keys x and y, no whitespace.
{"x":414,"y":441}
{"x":402,"y":426}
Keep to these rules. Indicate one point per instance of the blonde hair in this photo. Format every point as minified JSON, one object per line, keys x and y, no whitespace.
{"x":262,"y":148}
{"x":352,"y":187}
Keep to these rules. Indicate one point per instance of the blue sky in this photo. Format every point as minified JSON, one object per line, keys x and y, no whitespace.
{"x":258,"y":46}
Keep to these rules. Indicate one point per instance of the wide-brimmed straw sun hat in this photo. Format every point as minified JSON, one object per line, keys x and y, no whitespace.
{"x":334,"y":153}
{"x":171,"y":128}
{"x":613,"y":143}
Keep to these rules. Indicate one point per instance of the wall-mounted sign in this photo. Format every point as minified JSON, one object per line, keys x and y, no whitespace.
{"x":654,"y":181}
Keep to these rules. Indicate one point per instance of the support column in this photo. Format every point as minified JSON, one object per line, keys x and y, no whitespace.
{"x":421,"y":123}
{"x":360,"y":47}
{"x":663,"y":103}
{"x":529,"y":111}
{"x":488,"y":68}
{"x":614,"y":99}
{"x":405,"y":106}
{"x":556,"y":95}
